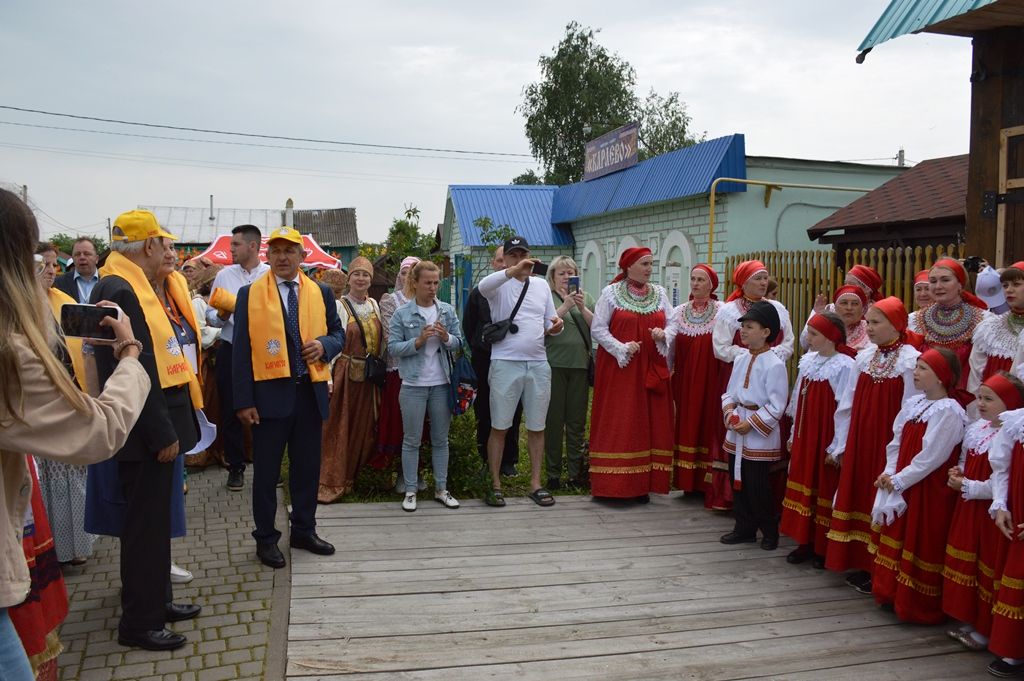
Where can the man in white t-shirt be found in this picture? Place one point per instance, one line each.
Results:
(519, 365)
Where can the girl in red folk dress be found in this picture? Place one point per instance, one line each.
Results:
(914, 505)
(883, 380)
(813, 476)
(974, 540)
(1007, 460)
(699, 429)
(631, 425)
(997, 337)
(751, 279)
(950, 321)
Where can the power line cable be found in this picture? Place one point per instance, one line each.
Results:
(254, 144)
(260, 136)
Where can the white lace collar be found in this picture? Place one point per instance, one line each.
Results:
(686, 326)
(905, 361)
(814, 367)
(923, 410)
(979, 435)
(995, 337)
(1013, 424)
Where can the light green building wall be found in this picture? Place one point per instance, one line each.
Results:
(782, 225)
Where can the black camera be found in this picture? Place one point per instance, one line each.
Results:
(973, 263)
(540, 269)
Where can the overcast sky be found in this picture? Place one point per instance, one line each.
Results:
(440, 75)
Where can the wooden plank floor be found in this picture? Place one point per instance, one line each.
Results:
(584, 590)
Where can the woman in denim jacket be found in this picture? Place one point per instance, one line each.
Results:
(419, 333)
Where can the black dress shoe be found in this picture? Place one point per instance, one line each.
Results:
(311, 543)
(177, 612)
(1004, 669)
(236, 481)
(270, 555)
(770, 543)
(737, 538)
(799, 555)
(160, 639)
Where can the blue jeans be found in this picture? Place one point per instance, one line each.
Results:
(14, 664)
(416, 401)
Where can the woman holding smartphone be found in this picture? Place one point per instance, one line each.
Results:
(570, 356)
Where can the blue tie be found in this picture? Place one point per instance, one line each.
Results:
(298, 366)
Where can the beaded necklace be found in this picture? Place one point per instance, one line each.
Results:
(1015, 320)
(645, 301)
(949, 326)
(698, 317)
(884, 361)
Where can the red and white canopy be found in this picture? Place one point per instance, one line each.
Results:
(220, 252)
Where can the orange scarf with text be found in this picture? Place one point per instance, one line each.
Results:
(267, 329)
(171, 364)
(59, 299)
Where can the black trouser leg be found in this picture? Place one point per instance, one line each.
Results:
(145, 543)
(230, 427)
(304, 460)
(753, 505)
(482, 408)
(269, 438)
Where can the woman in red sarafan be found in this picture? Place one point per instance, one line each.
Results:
(914, 505)
(1007, 460)
(949, 322)
(631, 420)
(882, 381)
(699, 429)
(813, 475)
(751, 280)
(38, 618)
(974, 540)
(997, 338)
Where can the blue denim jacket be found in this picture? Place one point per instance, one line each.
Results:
(406, 325)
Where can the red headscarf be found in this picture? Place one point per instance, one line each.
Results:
(894, 310)
(629, 257)
(961, 275)
(745, 270)
(944, 371)
(870, 278)
(712, 275)
(921, 277)
(851, 290)
(1006, 391)
(1019, 265)
(830, 331)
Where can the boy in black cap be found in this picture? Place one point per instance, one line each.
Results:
(752, 405)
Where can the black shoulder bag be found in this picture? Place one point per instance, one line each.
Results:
(496, 331)
(375, 369)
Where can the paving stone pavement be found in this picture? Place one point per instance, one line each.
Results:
(243, 629)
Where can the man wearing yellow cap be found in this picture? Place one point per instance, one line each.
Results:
(145, 465)
(286, 331)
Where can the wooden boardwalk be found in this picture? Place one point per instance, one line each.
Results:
(584, 590)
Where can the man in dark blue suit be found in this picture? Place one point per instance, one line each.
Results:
(283, 338)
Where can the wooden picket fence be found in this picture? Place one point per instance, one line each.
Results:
(804, 274)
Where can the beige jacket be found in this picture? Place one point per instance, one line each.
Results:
(52, 429)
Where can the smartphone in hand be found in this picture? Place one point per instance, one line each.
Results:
(83, 321)
(574, 285)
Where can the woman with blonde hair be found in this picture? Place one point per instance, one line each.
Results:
(42, 412)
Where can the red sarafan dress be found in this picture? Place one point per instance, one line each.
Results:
(807, 507)
(994, 345)
(1007, 460)
(884, 378)
(699, 427)
(974, 540)
(631, 439)
(951, 328)
(725, 339)
(915, 517)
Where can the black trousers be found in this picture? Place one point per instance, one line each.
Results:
(146, 543)
(753, 505)
(230, 427)
(482, 409)
(300, 433)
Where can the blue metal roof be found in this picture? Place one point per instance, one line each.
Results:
(912, 16)
(524, 208)
(675, 175)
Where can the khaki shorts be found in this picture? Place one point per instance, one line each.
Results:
(510, 380)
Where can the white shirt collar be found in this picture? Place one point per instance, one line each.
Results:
(281, 281)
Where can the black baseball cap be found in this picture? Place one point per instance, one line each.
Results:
(766, 315)
(516, 243)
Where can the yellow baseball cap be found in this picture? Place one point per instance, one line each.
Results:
(139, 225)
(286, 234)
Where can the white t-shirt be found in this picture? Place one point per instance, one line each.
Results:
(432, 373)
(533, 318)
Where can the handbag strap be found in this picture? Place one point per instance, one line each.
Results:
(359, 323)
(579, 327)
(519, 303)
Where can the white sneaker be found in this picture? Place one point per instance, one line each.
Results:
(180, 575)
(445, 497)
(409, 503)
